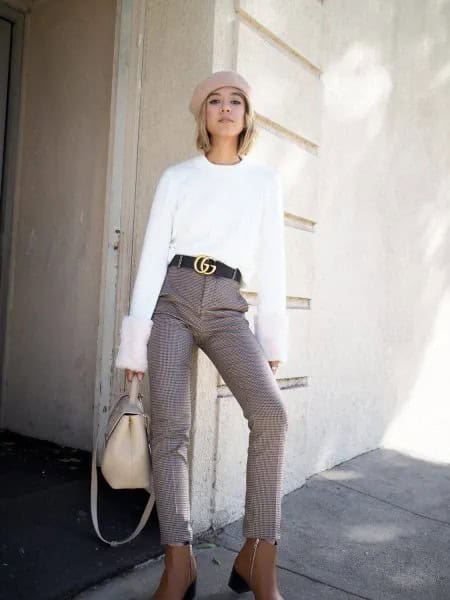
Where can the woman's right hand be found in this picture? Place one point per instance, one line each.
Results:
(131, 374)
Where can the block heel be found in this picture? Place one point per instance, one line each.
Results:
(191, 591)
(238, 583)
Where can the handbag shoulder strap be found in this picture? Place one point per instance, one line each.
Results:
(94, 487)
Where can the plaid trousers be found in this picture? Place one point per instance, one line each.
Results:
(208, 310)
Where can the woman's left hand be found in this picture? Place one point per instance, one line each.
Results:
(274, 365)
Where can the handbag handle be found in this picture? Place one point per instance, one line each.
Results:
(94, 483)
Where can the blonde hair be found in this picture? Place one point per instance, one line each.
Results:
(246, 137)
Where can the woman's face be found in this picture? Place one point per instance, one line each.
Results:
(225, 112)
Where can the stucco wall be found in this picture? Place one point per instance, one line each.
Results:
(59, 204)
(350, 391)
(363, 150)
(381, 308)
(416, 201)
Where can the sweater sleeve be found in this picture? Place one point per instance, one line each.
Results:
(271, 320)
(136, 327)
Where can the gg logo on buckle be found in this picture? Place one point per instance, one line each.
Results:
(202, 266)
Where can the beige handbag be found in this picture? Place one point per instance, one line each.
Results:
(126, 461)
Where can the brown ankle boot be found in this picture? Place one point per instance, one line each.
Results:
(254, 569)
(179, 579)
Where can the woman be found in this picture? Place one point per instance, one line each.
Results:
(215, 220)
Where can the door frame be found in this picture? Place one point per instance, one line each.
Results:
(10, 159)
(117, 249)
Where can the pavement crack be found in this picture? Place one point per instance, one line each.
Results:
(388, 502)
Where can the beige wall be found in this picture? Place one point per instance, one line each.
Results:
(59, 204)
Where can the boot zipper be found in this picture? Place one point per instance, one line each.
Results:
(253, 559)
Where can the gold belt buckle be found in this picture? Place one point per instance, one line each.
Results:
(202, 266)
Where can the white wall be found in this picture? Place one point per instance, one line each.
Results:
(417, 233)
(350, 390)
(381, 307)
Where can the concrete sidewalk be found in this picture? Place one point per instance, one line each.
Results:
(375, 527)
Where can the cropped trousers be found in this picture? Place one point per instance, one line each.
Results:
(209, 311)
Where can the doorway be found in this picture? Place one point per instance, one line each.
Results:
(11, 40)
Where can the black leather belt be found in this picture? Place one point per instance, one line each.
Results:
(206, 265)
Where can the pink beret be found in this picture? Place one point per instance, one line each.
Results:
(213, 82)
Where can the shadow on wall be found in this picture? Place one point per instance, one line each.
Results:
(417, 236)
(385, 144)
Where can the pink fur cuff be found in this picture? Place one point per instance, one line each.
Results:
(134, 336)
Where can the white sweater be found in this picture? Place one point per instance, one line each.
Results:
(233, 213)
